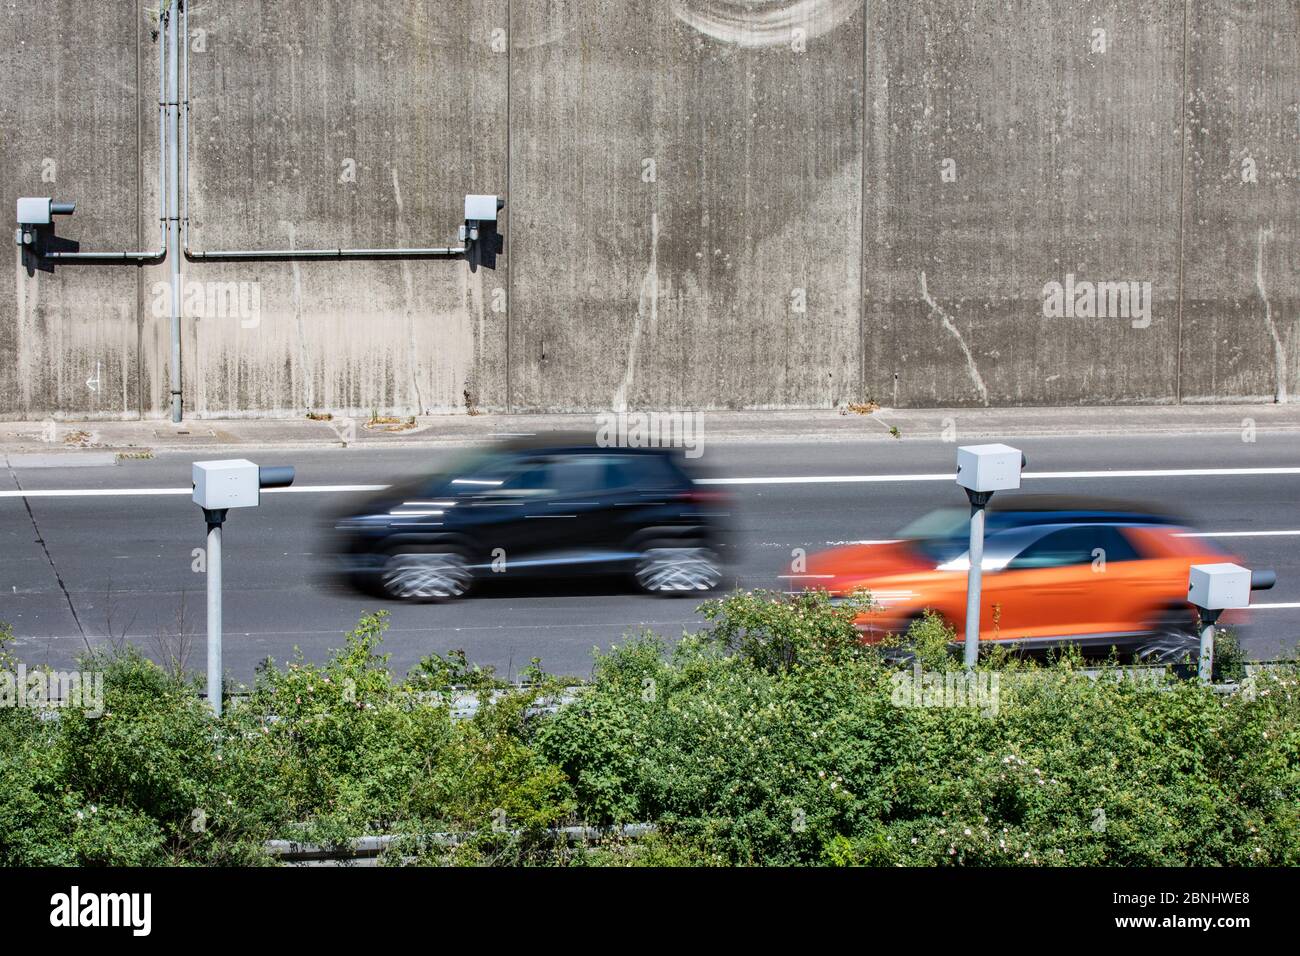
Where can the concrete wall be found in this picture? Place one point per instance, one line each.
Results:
(677, 200)
(1241, 261)
(69, 120)
(711, 203)
(1058, 160)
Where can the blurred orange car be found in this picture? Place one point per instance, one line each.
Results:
(1092, 574)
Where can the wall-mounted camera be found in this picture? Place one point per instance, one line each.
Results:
(36, 228)
(479, 235)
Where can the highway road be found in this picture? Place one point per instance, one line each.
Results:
(85, 554)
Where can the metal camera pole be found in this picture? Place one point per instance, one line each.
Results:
(975, 576)
(219, 486)
(982, 470)
(214, 518)
(1214, 588)
(1205, 668)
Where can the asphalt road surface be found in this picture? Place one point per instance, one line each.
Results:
(75, 569)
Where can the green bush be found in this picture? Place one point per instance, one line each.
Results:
(1229, 656)
(348, 750)
(142, 783)
(319, 753)
(773, 736)
(802, 756)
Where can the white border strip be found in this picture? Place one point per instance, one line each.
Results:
(781, 480)
(1238, 534)
(1028, 476)
(137, 492)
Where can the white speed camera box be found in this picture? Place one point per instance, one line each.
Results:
(225, 484)
(33, 211)
(481, 208)
(1215, 586)
(988, 467)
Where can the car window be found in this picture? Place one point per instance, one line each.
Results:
(1082, 544)
(580, 474)
(950, 554)
(519, 477)
(488, 471)
(534, 477)
(643, 473)
(571, 474)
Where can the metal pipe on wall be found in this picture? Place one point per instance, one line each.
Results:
(286, 254)
(185, 127)
(173, 202)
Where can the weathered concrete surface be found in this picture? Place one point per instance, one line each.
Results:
(1006, 152)
(312, 125)
(848, 200)
(686, 209)
(1241, 308)
(285, 100)
(358, 124)
(68, 125)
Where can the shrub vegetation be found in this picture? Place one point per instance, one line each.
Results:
(772, 736)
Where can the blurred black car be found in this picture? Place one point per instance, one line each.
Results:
(548, 505)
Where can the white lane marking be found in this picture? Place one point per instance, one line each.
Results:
(310, 489)
(94, 492)
(1028, 476)
(1163, 473)
(1277, 605)
(1238, 534)
(823, 479)
(136, 492)
(782, 480)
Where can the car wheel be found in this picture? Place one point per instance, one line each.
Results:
(1171, 637)
(669, 568)
(426, 575)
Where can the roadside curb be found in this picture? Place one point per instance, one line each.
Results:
(144, 438)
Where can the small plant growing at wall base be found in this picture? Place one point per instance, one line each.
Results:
(861, 408)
